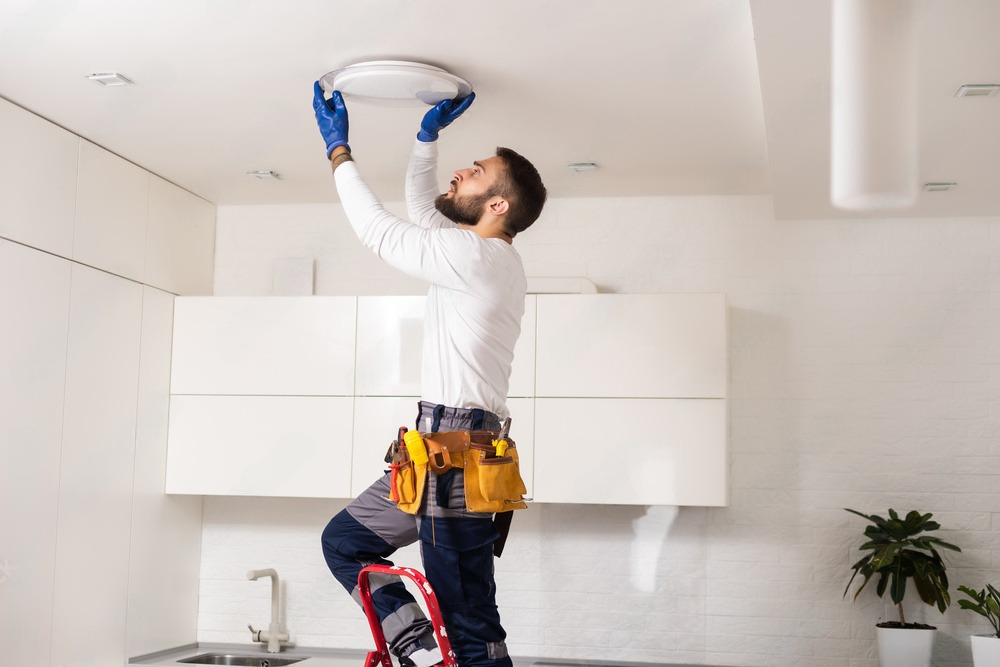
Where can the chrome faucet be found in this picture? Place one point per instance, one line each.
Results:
(273, 635)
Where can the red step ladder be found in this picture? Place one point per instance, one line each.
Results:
(381, 653)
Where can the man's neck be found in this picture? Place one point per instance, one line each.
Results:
(486, 232)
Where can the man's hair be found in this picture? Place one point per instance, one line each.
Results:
(521, 185)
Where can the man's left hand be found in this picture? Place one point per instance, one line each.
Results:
(441, 115)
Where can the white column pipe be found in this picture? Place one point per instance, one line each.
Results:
(874, 105)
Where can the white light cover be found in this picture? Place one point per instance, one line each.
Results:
(874, 105)
(395, 83)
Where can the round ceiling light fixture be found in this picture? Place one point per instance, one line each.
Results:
(395, 83)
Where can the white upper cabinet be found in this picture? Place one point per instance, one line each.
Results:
(264, 345)
(391, 338)
(631, 346)
(295, 446)
(180, 240)
(631, 452)
(112, 198)
(38, 169)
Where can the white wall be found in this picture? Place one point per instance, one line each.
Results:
(864, 374)
(96, 563)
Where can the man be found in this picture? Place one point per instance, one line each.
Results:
(460, 242)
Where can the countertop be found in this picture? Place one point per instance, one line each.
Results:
(329, 657)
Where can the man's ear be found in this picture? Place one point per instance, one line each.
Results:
(499, 206)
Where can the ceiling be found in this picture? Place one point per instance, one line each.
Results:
(670, 97)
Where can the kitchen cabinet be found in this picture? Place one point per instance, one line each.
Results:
(297, 346)
(38, 173)
(631, 346)
(180, 240)
(295, 446)
(35, 297)
(631, 451)
(111, 203)
(96, 468)
(390, 340)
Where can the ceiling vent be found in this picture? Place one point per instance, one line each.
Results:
(395, 83)
(978, 90)
(109, 79)
(939, 187)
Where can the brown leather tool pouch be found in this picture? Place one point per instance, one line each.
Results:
(445, 449)
(493, 483)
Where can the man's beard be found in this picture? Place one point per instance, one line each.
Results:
(462, 210)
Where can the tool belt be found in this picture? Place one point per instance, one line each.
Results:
(492, 473)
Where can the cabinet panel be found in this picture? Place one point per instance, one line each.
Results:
(631, 451)
(38, 168)
(522, 372)
(166, 531)
(390, 344)
(34, 294)
(96, 472)
(376, 422)
(377, 419)
(631, 345)
(295, 446)
(259, 346)
(180, 240)
(111, 200)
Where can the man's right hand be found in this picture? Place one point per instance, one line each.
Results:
(331, 116)
(441, 116)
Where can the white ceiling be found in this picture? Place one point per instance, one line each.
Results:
(665, 94)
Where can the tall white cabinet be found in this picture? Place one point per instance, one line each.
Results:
(96, 563)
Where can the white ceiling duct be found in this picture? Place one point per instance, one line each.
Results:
(395, 83)
(874, 105)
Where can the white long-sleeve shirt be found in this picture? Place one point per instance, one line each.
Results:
(476, 300)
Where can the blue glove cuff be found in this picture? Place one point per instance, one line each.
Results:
(426, 137)
(331, 147)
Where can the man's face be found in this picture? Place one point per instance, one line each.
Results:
(470, 191)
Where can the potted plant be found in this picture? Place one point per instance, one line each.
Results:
(900, 550)
(986, 603)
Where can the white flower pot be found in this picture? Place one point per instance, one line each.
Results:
(905, 647)
(985, 651)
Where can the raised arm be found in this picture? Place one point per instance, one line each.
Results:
(421, 174)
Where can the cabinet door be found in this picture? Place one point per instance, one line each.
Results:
(631, 345)
(264, 346)
(390, 344)
(631, 451)
(390, 347)
(522, 374)
(165, 553)
(97, 469)
(34, 297)
(180, 240)
(376, 422)
(111, 201)
(38, 168)
(295, 446)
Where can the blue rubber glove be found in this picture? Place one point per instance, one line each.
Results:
(331, 116)
(441, 116)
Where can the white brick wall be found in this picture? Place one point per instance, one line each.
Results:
(865, 373)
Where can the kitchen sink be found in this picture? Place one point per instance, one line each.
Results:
(231, 659)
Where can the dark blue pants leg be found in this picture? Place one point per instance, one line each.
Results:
(368, 531)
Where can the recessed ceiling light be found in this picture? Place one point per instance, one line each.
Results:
(110, 79)
(939, 187)
(582, 166)
(978, 90)
(265, 175)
